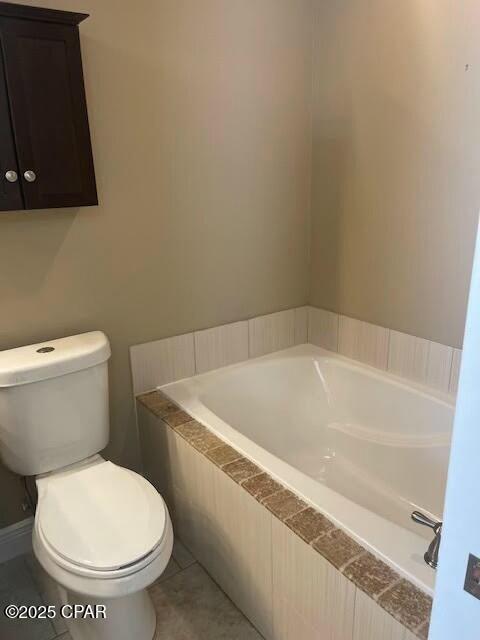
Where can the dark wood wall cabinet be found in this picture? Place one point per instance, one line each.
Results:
(45, 150)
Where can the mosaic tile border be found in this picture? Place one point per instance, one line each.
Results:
(407, 604)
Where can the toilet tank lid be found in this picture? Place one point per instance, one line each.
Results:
(53, 358)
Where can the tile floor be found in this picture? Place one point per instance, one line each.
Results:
(189, 604)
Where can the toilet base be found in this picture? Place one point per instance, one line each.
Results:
(128, 617)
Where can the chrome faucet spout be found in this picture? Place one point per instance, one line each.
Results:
(431, 555)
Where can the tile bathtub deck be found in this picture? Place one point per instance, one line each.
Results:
(401, 599)
(189, 604)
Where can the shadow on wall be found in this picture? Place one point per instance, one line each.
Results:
(332, 157)
(11, 509)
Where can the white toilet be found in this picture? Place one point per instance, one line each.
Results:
(102, 533)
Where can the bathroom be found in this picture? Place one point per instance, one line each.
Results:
(275, 245)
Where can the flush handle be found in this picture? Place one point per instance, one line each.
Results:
(11, 176)
(30, 176)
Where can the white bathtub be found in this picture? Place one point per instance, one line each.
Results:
(364, 447)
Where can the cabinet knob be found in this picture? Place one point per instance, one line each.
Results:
(11, 176)
(30, 176)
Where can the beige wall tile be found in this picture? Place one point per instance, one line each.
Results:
(310, 587)
(191, 472)
(161, 362)
(323, 328)
(154, 445)
(193, 499)
(221, 346)
(288, 625)
(373, 623)
(271, 333)
(417, 359)
(301, 325)
(363, 341)
(408, 356)
(227, 530)
(455, 372)
(439, 367)
(243, 544)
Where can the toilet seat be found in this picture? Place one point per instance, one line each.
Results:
(78, 570)
(106, 584)
(99, 519)
(147, 520)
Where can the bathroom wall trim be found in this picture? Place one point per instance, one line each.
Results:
(163, 361)
(195, 471)
(16, 539)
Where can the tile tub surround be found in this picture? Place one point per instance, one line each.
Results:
(157, 363)
(429, 363)
(350, 563)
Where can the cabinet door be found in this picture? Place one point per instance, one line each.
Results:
(10, 192)
(43, 68)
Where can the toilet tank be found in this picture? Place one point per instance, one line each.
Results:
(54, 403)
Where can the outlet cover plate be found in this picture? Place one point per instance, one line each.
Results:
(472, 579)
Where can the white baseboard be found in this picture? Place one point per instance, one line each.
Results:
(16, 539)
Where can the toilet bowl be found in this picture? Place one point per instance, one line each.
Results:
(102, 533)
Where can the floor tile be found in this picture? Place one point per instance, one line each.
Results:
(190, 606)
(17, 587)
(47, 590)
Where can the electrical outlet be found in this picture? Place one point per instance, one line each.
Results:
(472, 579)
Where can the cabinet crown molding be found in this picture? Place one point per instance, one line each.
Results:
(24, 12)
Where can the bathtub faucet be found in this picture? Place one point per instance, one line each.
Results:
(431, 555)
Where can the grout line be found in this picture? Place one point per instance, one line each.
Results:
(338, 332)
(389, 335)
(294, 515)
(452, 390)
(352, 560)
(251, 477)
(272, 581)
(194, 353)
(354, 612)
(427, 362)
(309, 322)
(159, 580)
(390, 586)
(389, 354)
(270, 495)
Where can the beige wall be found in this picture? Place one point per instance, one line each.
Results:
(396, 162)
(201, 124)
(200, 116)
